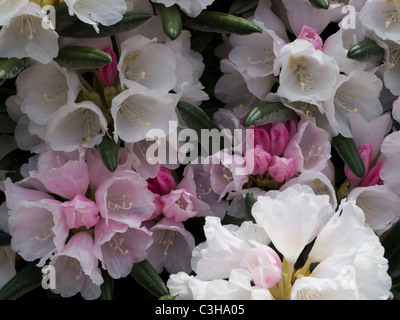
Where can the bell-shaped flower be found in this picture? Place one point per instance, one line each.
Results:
(118, 247)
(9, 9)
(125, 198)
(37, 229)
(226, 172)
(77, 268)
(137, 111)
(382, 17)
(379, 205)
(96, 12)
(80, 212)
(283, 214)
(390, 170)
(172, 247)
(28, 37)
(62, 173)
(310, 147)
(357, 93)
(76, 125)
(306, 74)
(237, 287)
(148, 63)
(44, 88)
(190, 7)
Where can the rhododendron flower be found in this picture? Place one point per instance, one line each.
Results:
(191, 7)
(9, 9)
(76, 268)
(80, 212)
(312, 36)
(97, 12)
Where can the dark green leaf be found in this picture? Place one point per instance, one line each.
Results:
(221, 22)
(9, 68)
(250, 200)
(241, 6)
(171, 20)
(81, 57)
(366, 50)
(195, 118)
(107, 287)
(144, 273)
(130, 20)
(321, 4)
(109, 150)
(29, 278)
(268, 112)
(347, 150)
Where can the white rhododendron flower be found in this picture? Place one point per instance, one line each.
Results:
(9, 9)
(24, 36)
(191, 7)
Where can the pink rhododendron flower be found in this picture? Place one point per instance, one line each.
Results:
(80, 211)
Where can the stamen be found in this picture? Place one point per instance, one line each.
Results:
(391, 15)
(134, 113)
(90, 126)
(46, 232)
(25, 23)
(116, 244)
(341, 99)
(167, 240)
(117, 202)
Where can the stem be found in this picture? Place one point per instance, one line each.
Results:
(288, 284)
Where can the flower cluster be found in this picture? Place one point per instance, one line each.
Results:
(102, 169)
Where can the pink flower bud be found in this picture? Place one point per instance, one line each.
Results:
(373, 178)
(264, 265)
(311, 35)
(109, 72)
(163, 183)
(260, 158)
(365, 152)
(80, 212)
(282, 169)
(279, 136)
(261, 137)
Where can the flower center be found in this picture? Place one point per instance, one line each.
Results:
(391, 15)
(25, 23)
(132, 112)
(117, 201)
(116, 244)
(90, 126)
(342, 99)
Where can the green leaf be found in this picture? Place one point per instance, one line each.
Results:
(268, 112)
(241, 6)
(347, 150)
(171, 20)
(5, 239)
(130, 20)
(109, 150)
(391, 243)
(9, 68)
(366, 50)
(107, 287)
(144, 273)
(221, 22)
(29, 278)
(321, 4)
(81, 57)
(250, 200)
(195, 118)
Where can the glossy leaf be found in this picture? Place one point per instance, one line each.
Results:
(81, 57)
(221, 22)
(366, 50)
(268, 112)
(29, 278)
(171, 20)
(322, 4)
(250, 200)
(109, 150)
(241, 6)
(347, 150)
(144, 273)
(9, 68)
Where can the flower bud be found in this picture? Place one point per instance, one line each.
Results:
(281, 169)
(312, 36)
(80, 212)
(260, 158)
(279, 136)
(109, 72)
